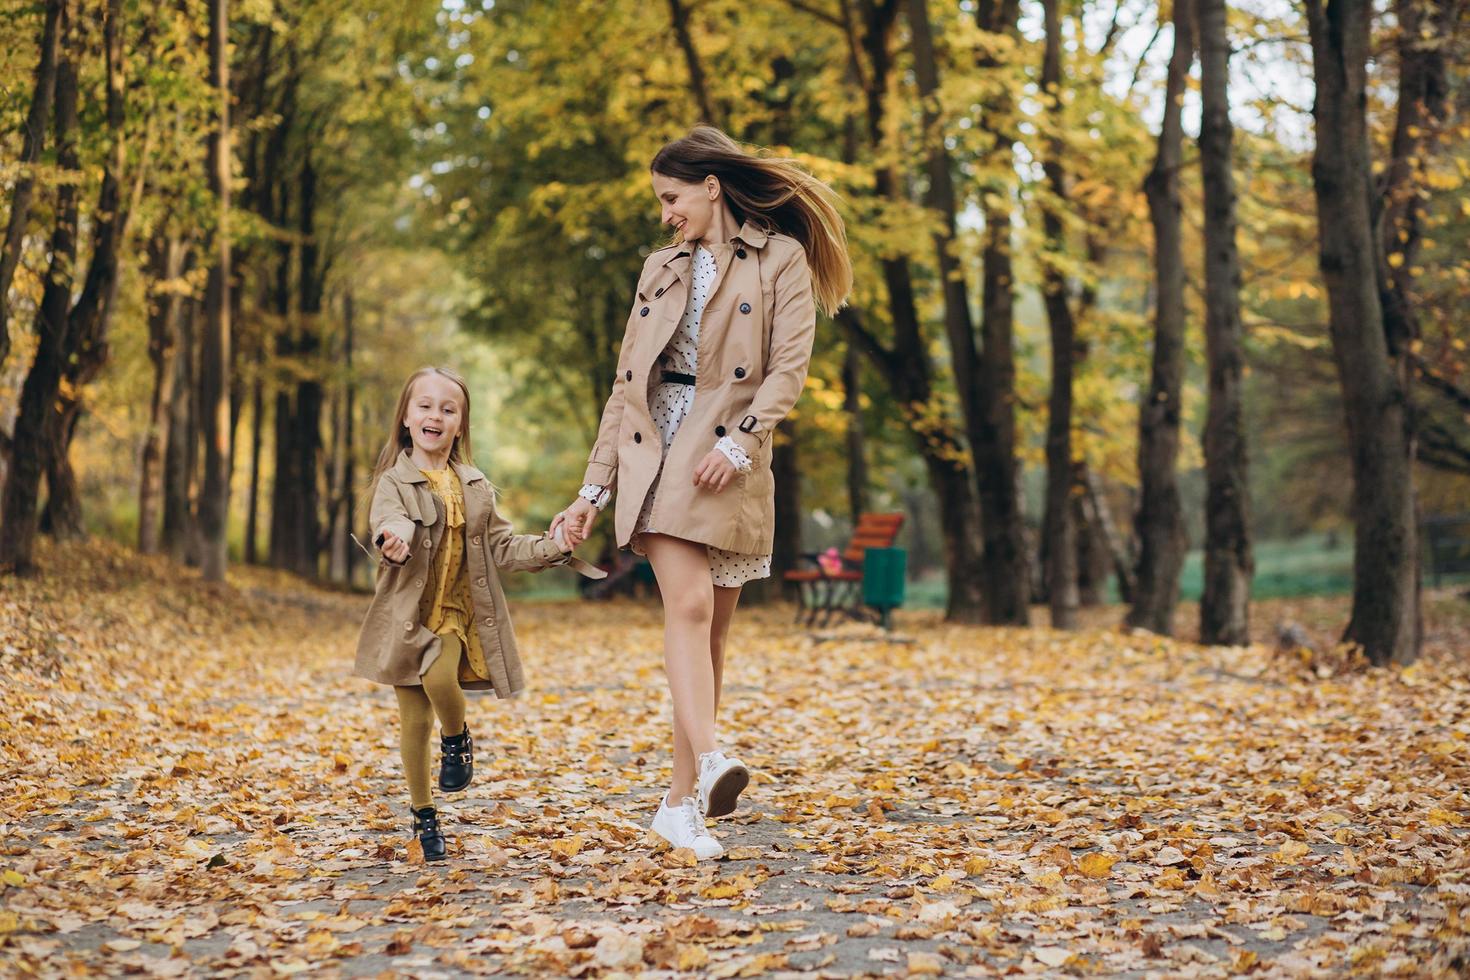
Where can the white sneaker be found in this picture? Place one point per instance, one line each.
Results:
(682, 826)
(720, 783)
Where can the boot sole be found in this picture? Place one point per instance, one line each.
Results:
(455, 789)
(726, 790)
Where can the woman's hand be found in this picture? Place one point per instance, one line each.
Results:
(577, 520)
(393, 548)
(715, 471)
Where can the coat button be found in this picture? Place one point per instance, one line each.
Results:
(418, 583)
(739, 373)
(658, 292)
(408, 627)
(480, 581)
(720, 431)
(476, 539)
(740, 253)
(744, 307)
(628, 376)
(637, 437)
(489, 620)
(643, 312)
(428, 541)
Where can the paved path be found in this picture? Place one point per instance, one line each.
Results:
(193, 788)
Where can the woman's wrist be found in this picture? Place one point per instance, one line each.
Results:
(595, 495)
(734, 454)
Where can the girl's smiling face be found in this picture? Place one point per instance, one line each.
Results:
(435, 414)
(685, 207)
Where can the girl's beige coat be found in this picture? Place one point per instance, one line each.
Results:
(755, 345)
(395, 647)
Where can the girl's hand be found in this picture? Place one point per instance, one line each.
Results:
(577, 520)
(394, 548)
(715, 471)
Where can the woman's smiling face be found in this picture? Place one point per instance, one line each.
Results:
(685, 207)
(435, 413)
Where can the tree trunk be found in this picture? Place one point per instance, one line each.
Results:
(1225, 605)
(166, 267)
(1423, 98)
(857, 453)
(1100, 516)
(30, 440)
(1385, 616)
(1094, 561)
(92, 313)
(342, 515)
(61, 516)
(993, 440)
(1159, 524)
(786, 547)
(1060, 545)
(295, 497)
(905, 370)
(906, 366)
(252, 514)
(679, 14)
(214, 365)
(37, 120)
(181, 452)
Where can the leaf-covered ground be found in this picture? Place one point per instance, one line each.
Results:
(192, 785)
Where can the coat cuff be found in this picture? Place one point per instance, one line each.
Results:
(602, 466)
(734, 454)
(596, 495)
(548, 551)
(403, 530)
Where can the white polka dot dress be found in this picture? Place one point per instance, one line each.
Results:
(670, 402)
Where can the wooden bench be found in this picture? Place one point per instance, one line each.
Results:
(825, 593)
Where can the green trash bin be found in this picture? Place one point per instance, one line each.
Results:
(884, 575)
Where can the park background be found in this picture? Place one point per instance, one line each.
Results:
(1032, 191)
(1158, 328)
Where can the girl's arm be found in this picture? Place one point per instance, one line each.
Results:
(520, 552)
(387, 516)
(793, 328)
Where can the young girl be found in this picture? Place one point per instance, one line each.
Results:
(438, 623)
(715, 354)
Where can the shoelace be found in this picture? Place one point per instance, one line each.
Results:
(693, 822)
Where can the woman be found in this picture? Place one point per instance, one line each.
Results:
(715, 354)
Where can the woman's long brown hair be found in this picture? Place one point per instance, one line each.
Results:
(774, 193)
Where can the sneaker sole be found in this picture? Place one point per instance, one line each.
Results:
(726, 790)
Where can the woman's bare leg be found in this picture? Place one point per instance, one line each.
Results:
(682, 570)
(686, 760)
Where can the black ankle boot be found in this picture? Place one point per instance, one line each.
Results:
(426, 826)
(457, 765)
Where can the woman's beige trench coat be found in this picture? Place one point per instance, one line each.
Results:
(755, 344)
(395, 647)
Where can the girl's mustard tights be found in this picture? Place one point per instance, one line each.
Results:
(417, 706)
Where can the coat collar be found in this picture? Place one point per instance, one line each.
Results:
(749, 234)
(407, 471)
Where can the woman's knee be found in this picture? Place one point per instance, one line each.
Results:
(690, 606)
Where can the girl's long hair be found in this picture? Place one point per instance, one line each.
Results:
(399, 438)
(774, 193)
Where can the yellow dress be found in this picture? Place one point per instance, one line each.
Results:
(452, 610)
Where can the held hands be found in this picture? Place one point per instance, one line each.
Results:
(575, 523)
(715, 471)
(393, 548)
